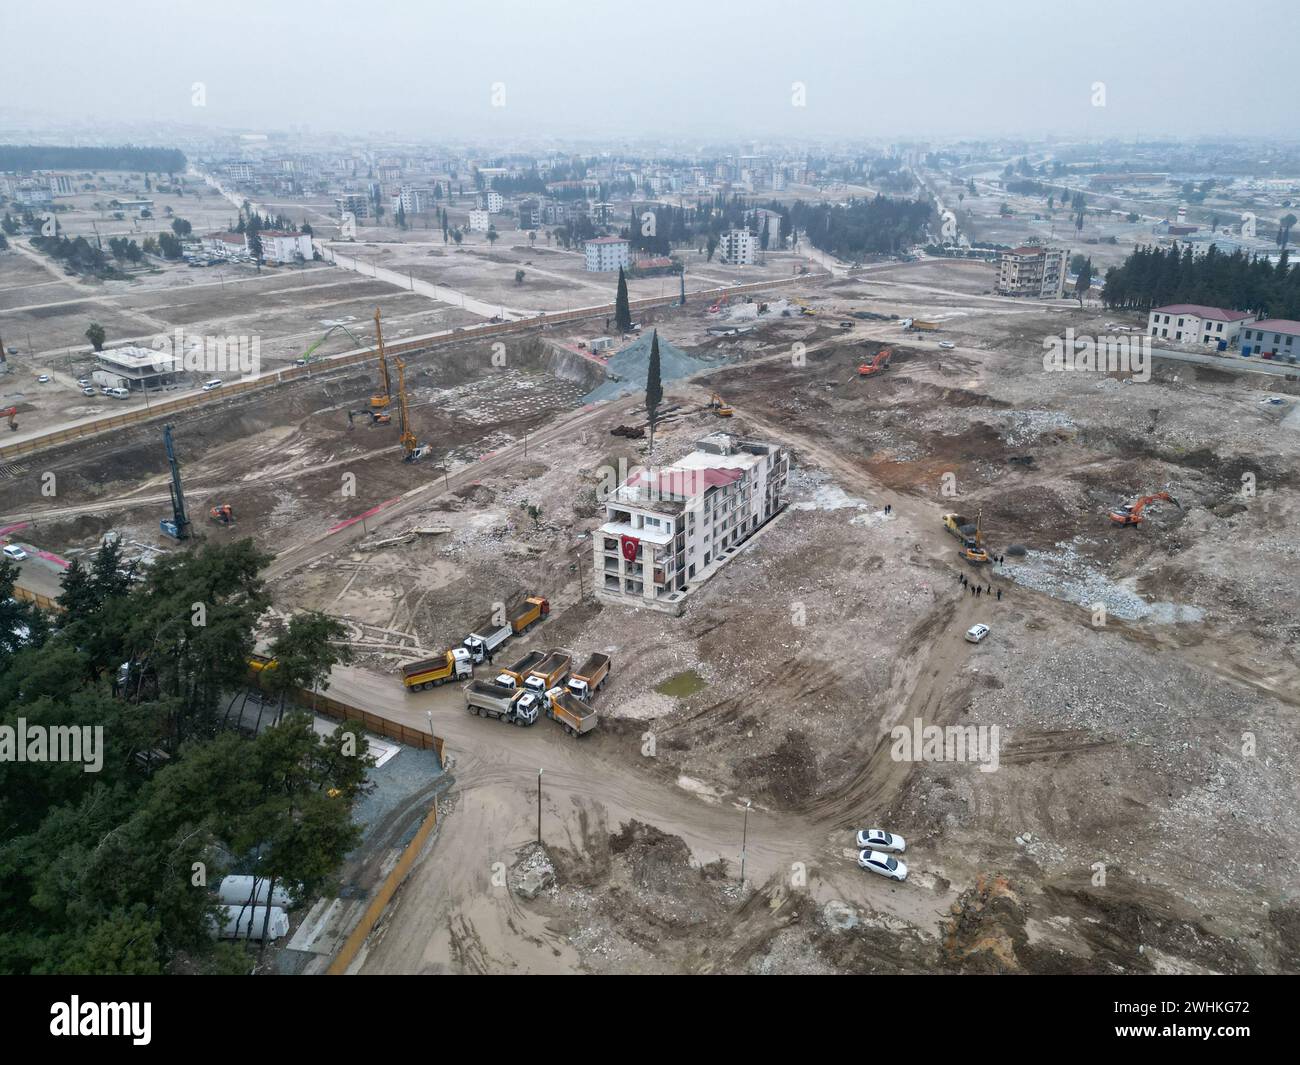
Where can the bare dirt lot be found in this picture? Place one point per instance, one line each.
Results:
(1141, 683)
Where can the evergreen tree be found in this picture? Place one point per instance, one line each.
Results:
(654, 389)
(622, 309)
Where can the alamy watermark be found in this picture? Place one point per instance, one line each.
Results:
(206, 354)
(1103, 354)
(952, 743)
(58, 743)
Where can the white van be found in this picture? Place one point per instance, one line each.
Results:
(118, 393)
(208, 386)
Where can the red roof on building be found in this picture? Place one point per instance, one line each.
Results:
(1217, 314)
(1278, 325)
(686, 483)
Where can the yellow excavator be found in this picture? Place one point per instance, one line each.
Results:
(719, 407)
(972, 548)
(381, 401)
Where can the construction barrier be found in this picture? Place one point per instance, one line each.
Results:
(376, 723)
(42, 601)
(357, 937)
(167, 407)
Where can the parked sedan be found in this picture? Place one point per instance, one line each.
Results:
(884, 864)
(88, 391)
(14, 552)
(44, 379)
(877, 839)
(976, 633)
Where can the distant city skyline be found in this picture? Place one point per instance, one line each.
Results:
(823, 69)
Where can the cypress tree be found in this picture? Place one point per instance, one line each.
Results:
(654, 389)
(622, 310)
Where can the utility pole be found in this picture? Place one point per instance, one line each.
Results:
(744, 840)
(539, 807)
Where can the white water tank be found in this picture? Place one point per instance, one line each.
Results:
(237, 922)
(239, 891)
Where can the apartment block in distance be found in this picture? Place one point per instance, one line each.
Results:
(668, 530)
(606, 253)
(1035, 272)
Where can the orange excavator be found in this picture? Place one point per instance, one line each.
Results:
(877, 364)
(719, 407)
(12, 414)
(972, 549)
(1131, 513)
(223, 514)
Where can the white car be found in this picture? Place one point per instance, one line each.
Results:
(976, 633)
(884, 864)
(15, 552)
(877, 839)
(947, 345)
(87, 391)
(208, 386)
(44, 379)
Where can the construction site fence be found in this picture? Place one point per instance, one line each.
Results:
(357, 937)
(371, 722)
(166, 407)
(42, 601)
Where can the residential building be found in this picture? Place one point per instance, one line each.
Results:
(141, 367)
(1191, 323)
(479, 221)
(61, 185)
(225, 244)
(738, 247)
(606, 253)
(414, 199)
(354, 203)
(666, 531)
(1033, 271)
(493, 201)
(239, 171)
(1276, 337)
(530, 214)
(281, 246)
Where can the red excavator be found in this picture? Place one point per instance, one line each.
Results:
(1131, 513)
(12, 414)
(877, 364)
(223, 514)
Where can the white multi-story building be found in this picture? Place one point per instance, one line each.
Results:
(738, 247)
(666, 531)
(281, 246)
(414, 199)
(494, 202)
(1036, 272)
(479, 221)
(239, 171)
(606, 253)
(1191, 323)
(1278, 338)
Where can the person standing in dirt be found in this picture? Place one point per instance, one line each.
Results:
(999, 595)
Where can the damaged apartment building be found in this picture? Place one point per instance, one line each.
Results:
(668, 530)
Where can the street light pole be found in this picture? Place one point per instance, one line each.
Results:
(539, 807)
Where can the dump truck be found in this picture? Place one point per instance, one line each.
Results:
(919, 325)
(959, 525)
(513, 676)
(591, 677)
(970, 535)
(572, 713)
(454, 664)
(548, 673)
(486, 638)
(495, 700)
(528, 613)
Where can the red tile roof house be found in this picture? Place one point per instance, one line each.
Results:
(1193, 323)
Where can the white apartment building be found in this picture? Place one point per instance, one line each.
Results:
(239, 171)
(479, 220)
(413, 199)
(607, 253)
(738, 247)
(495, 202)
(1036, 272)
(1191, 323)
(666, 531)
(281, 246)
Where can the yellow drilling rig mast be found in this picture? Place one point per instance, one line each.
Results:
(380, 401)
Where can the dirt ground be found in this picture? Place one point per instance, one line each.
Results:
(1142, 813)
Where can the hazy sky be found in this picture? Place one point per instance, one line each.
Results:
(692, 68)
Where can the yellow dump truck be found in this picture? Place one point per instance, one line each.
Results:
(575, 716)
(528, 613)
(548, 673)
(513, 676)
(454, 664)
(585, 681)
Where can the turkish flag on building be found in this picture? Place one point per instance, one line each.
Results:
(630, 546)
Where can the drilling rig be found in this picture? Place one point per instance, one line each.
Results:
(379, 401)
(178, 526)
(407, 438)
